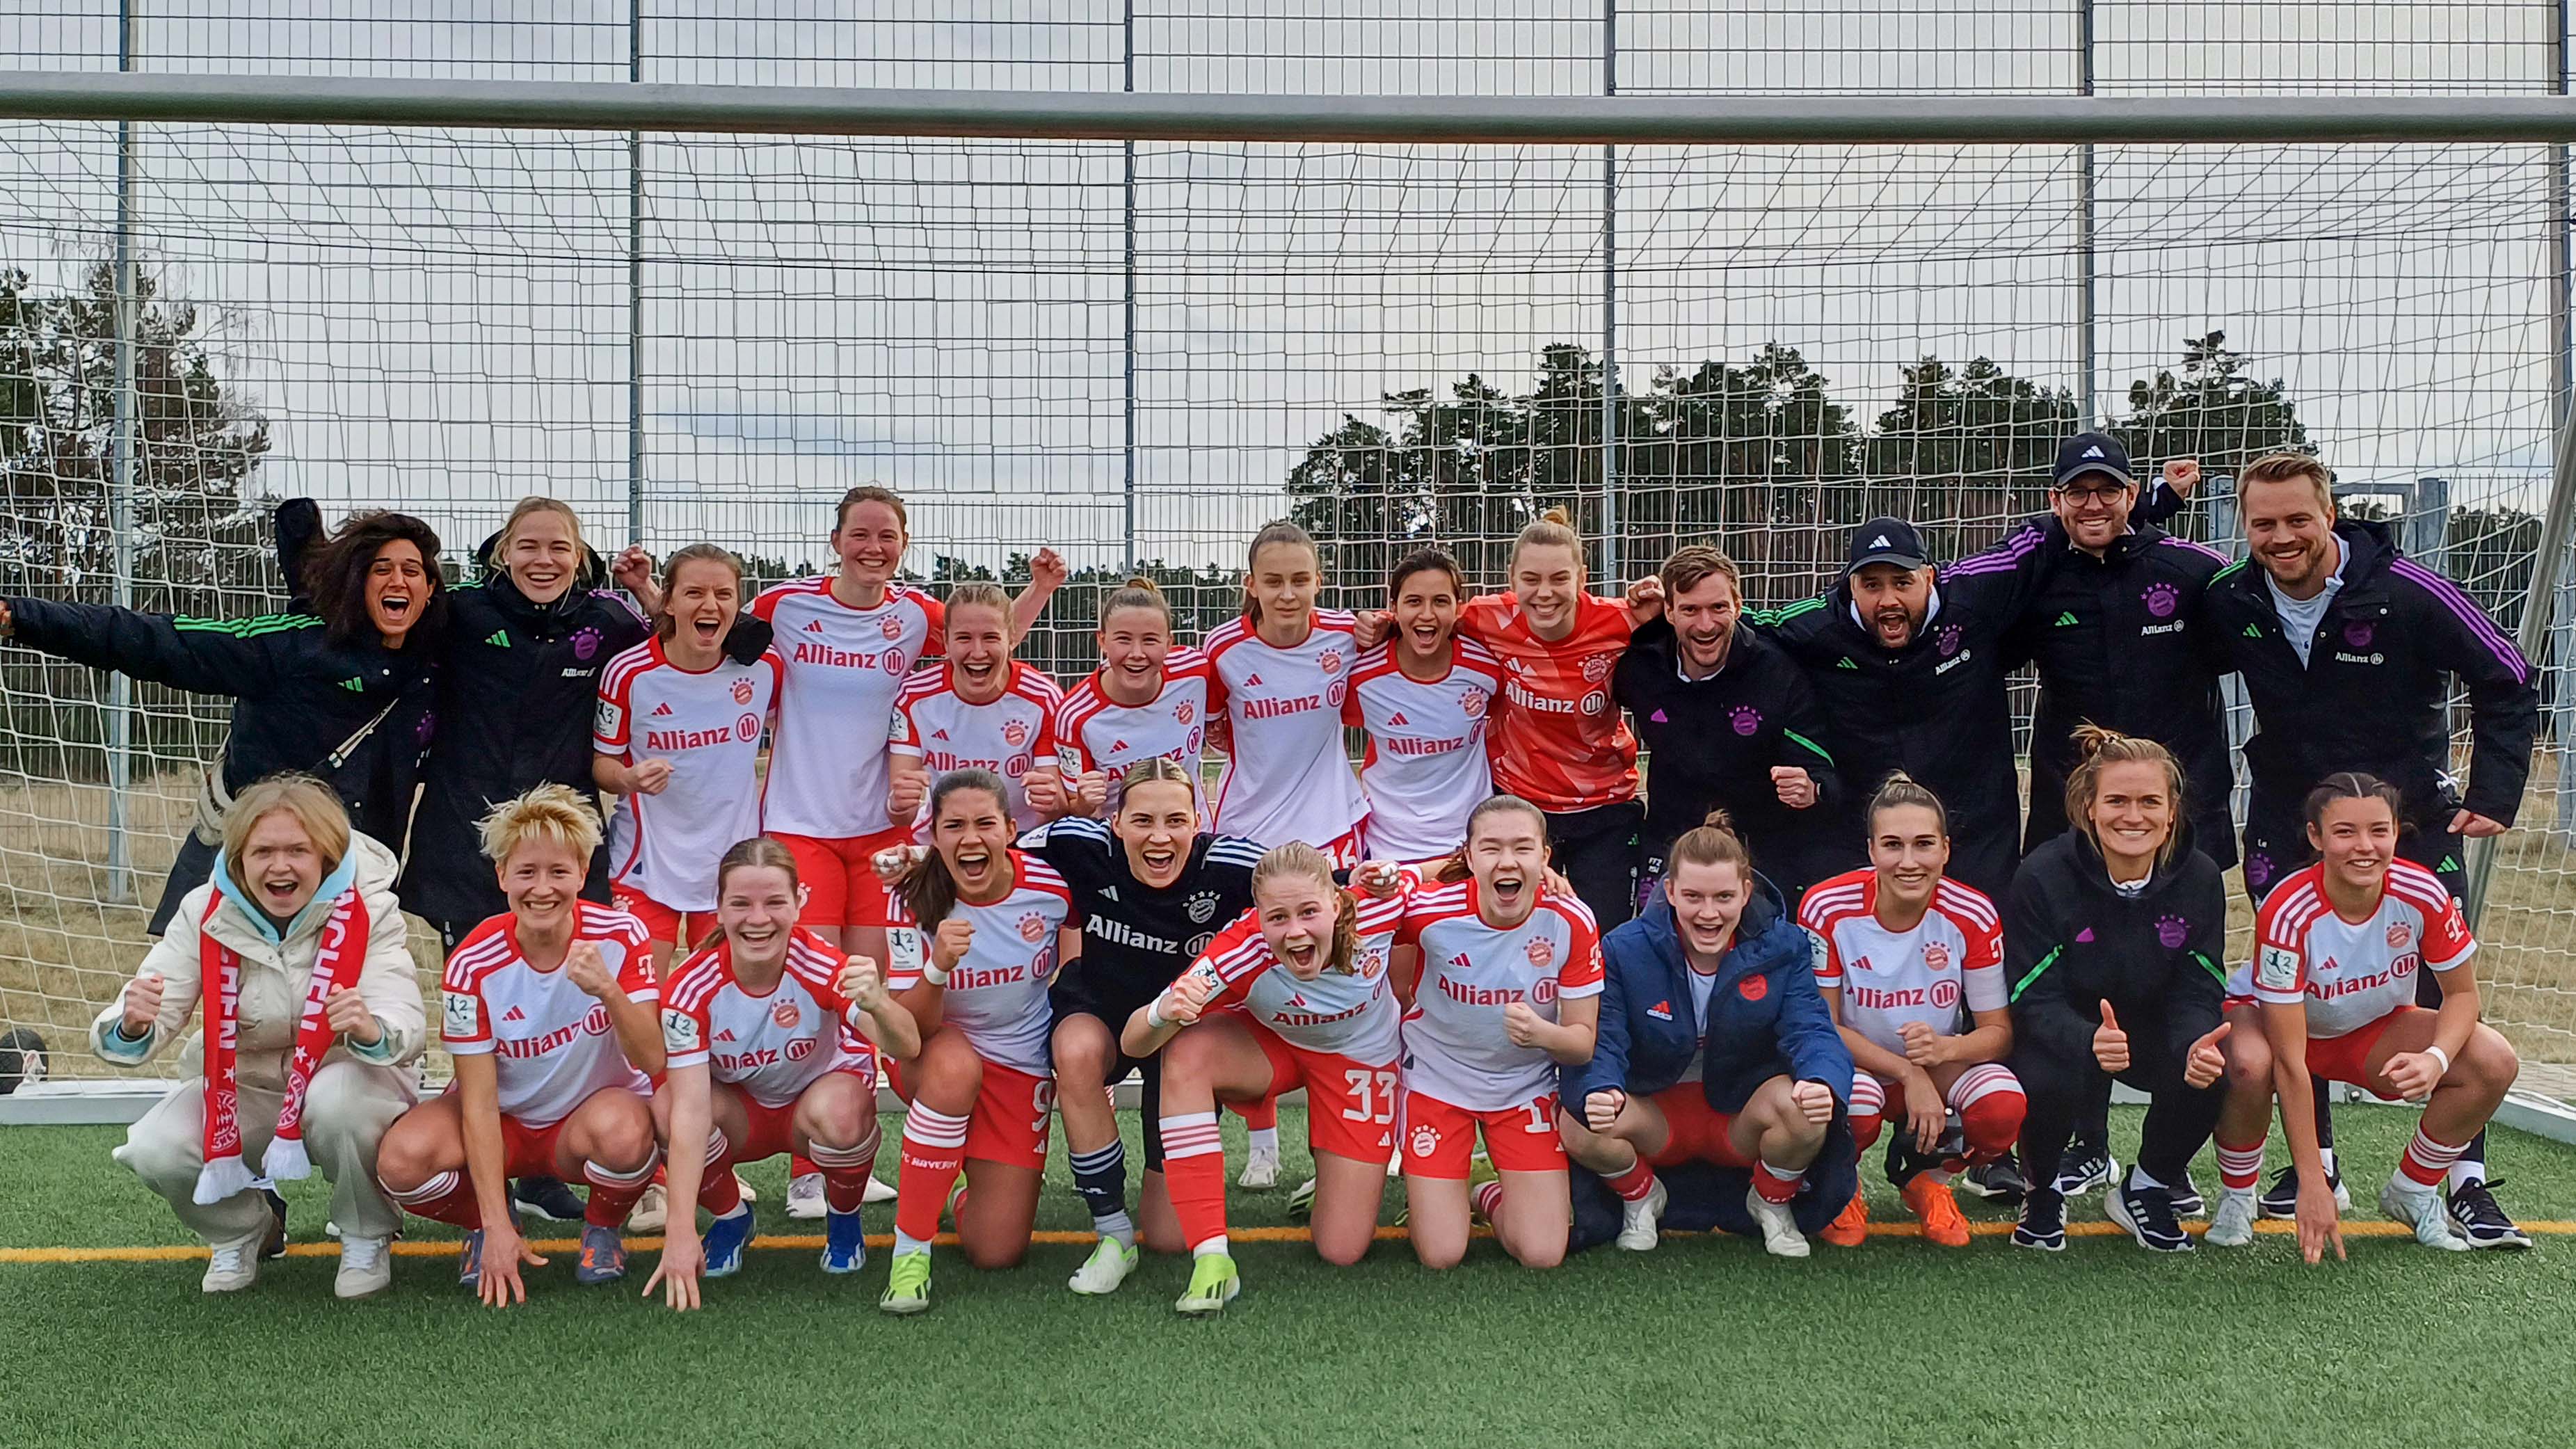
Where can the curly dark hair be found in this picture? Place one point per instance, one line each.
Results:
(335, 572)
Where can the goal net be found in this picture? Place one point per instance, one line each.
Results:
(1138, 353)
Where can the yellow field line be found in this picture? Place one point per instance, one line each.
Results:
(813, 1242)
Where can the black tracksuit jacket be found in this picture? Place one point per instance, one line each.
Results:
(1714, 742)
(2072, 942)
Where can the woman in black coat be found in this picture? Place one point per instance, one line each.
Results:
(344, 689)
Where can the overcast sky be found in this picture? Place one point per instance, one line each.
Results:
(439, 319)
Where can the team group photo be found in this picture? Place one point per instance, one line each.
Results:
(1532, 722)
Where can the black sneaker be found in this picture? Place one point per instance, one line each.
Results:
(2280, 1201)
(2087, 1165)
(1996, 1181)
(2146, 1214)
(2187, 1201)
(1905, 1162)
(545, 1197)
(2480, 1222)
(273, 1247)
(2043, 1221)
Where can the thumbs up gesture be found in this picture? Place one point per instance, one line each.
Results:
(2207, 1061)
(2110, 1044)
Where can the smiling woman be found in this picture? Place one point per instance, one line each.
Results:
(344, 692)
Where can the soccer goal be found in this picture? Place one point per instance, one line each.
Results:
(1129, 279)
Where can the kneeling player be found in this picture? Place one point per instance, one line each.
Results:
(1723, 979)
(549, 1017)
(981, 1091)
(2336, 949)
(773, 1037)
(1293, 994)
(1511, 980)
(1905, 958)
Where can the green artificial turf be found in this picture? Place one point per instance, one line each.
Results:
(1706, 1341)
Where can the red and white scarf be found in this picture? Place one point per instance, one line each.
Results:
(335, 963)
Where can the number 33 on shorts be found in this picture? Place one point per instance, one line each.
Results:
(1370, 1096)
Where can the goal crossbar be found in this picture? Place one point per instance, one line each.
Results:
(1149, 116)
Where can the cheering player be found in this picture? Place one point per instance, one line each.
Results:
(1906, 959)
(549, 1017)
(772, 1038)
(982, 710)
(678, 739)
(980, 1092)
(2336, 949)
(1295, 993)
(1422, 697)
(1277, 677)
(1511, 973)
(1148, 699)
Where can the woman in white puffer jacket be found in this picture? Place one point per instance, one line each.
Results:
(313, 1028)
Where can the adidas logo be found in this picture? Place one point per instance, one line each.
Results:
(2093, 452)
(500, 639)
(725, 1035)
(661, 711)
(2066, 620)
(1461, 962)
(1845, 663)
(939, 734)
(1661, 1010)
(1117, 746)
(813, 626)
(514, 1014)
(2448, 864)
(1398, 718)
(354, 685)
(1109, 893)
(2253, 631)
(1879, 542)
(1250, 680)
(1657, 718)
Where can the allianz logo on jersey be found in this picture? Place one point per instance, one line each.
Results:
(1540, 993)
(1274, 706)
(1417, 745)
(595, 1023)
(795, 1051)
(746, 728)
(817, 651)
(2324, 986)
(1118, 932)
(944, 761)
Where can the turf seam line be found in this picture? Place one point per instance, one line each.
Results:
(813, 1242)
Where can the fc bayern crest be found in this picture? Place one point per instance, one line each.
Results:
(1330, 661)
(786, 1015)
(1596, 668)
(890, 626)
(1015, 733)
(2399, 935)
(1426, 1140)
(1472, 703)
(1033, 928)
(742, 691)
(1541, 952)
(1184, 712)
(1936, 954)
(1201, 908)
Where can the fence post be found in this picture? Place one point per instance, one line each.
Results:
(635, 287)
(1610, 551)
(2227, 535)
(2428, 524)
(120, 506)
(2087, 337)
(1127, 326)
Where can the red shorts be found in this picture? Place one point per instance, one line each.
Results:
(1010, 1119)
(1344, 851)
(530, 1151)
(1699, 1130)
(769, 1131)
(2346, 1058)
(661, 923)
(1440, 1140)
(840, 879)
(1350, 1106)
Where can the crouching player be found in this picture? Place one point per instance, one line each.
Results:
(549, 1016)
(2336, 949)
(772, 1038)
(1714, 1045)
(1905, 958)
(1294, 993)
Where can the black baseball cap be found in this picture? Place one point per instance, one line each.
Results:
(2091, 453)
(1887, 541)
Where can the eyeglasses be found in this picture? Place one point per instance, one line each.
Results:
(2091, 495)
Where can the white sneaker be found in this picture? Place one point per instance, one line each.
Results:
(1260, 1169)
(805, 1195)
(879, 1190)
(366, 1268)
(2232, 1226)
(233, 1266)
(652, 1210)
(1107, 1267)
(2420, 1207)
(1780, 1235)
(1637, 1220)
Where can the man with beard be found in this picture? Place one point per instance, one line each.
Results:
(1732, 724)
(2348, 650)
(1909, 664)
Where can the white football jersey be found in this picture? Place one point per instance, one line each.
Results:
(827, 766)
(1425, 766)
(1287, 776)
(1350, 1014)
(2350, 973)
(666, 846)
(1948, 966)
(1094, 732)
(997, 994)
(1009, 735)
(1455, 1048)
(771, 1046)
(551, 1043)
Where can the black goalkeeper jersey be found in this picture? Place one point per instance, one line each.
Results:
(1137, 940)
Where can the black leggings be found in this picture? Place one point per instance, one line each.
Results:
(2059, 1089)
(1597, 849)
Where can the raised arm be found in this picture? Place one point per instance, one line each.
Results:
(236, 657)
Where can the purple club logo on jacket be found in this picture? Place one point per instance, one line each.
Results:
(2172, 931)
(585, 643)
(2161, 600)
(2357, 634)
(1947, 640)
(1746, 719)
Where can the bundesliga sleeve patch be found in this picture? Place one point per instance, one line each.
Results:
(2277, 969)
(1819, 955)
(605, 720)
(679, 1030)
(464, 1014)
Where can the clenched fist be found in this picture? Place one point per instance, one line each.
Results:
(861, 983)
(589, 970)
(950, 943)
(1815, 1102)
(1522, 1025)
(142, 1004)
(348, 1015)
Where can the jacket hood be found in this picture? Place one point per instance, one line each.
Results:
(2368, 548)
(368, 866)
(1764, 935)
(588, 576)
(2139, 538)
(2096, 875)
